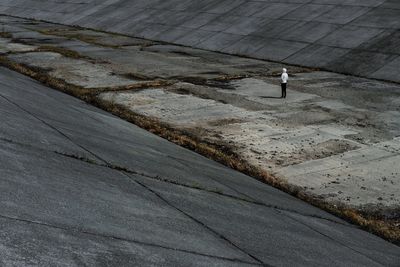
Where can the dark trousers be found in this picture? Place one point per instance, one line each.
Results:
(283, 85)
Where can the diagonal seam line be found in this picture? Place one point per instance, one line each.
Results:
(52, 127)
(175, 183)
(200, 223)
(221, 236)
(331, 238)
(86, 232)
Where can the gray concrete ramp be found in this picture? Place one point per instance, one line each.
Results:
(352, 37)
(82, 187)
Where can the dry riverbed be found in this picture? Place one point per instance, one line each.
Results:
(335, 141)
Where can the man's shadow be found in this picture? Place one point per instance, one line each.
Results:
(270, 97)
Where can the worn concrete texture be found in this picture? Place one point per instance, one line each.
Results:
(335, 136)
(65, 201)
(84, 187)
(354, 37)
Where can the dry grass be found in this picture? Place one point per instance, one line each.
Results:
(60, 50)
(222, 153)
(74, 33)
(6, 35)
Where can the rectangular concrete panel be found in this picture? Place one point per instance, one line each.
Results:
(223, 6)
(194, 37)
(246, 46)
(342, 14)
(359, 62)
(221, 23)
(173, 33)
(276, 28)
(246, 26)
(369, 3)
(308, 32)
(389, 71)
(247, 9)
(367, 23)
(219, 41)
(391, 4)
(199, 20)
(380, 17)
(275, 10)
(350, 36)
(308, 12)
(278, 50)
(386, 42)
(316, 55)
(286, 231)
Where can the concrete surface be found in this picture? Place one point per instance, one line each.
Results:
(346, 31)
(64, 202)
(335, 136)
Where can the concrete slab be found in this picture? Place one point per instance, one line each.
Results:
(342, 14)
(221, 23)
(223, 6)
(278, 50)
(350, 36)
(389, 71)
(75, 71)
(276, 27)
(309, 32)
(199, 20)
(247, 9)
(309, 12)
(318, 124)
(246, 26)
(369, 3)
(219, 41)
(379, 17)
(275, 10)
(246, 46)
(316, 54)
(285, 229)
(386, 42)
(92, 206)
(359, 62)
(179, 22)
(195, 37)
(388, 253)
(7, 46)
(47, 245)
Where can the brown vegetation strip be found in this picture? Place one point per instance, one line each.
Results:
(385, 228)
(63, 51)
(6, 35)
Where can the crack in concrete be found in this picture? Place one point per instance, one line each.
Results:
(96, 234)
(330, 238)
(172, 182)
(52, 127)
(221, 236)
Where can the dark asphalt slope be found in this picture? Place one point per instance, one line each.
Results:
(65, 202)
(355, 37)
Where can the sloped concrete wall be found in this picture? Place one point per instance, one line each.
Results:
(360, 37)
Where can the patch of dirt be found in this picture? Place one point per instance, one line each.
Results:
(312, 152)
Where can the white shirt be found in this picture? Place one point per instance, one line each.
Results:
(284, 77)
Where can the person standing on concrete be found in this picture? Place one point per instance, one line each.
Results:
(284, 80)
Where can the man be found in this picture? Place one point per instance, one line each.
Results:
(284, 80)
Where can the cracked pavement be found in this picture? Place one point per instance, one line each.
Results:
(335, 137)
(83, 187)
